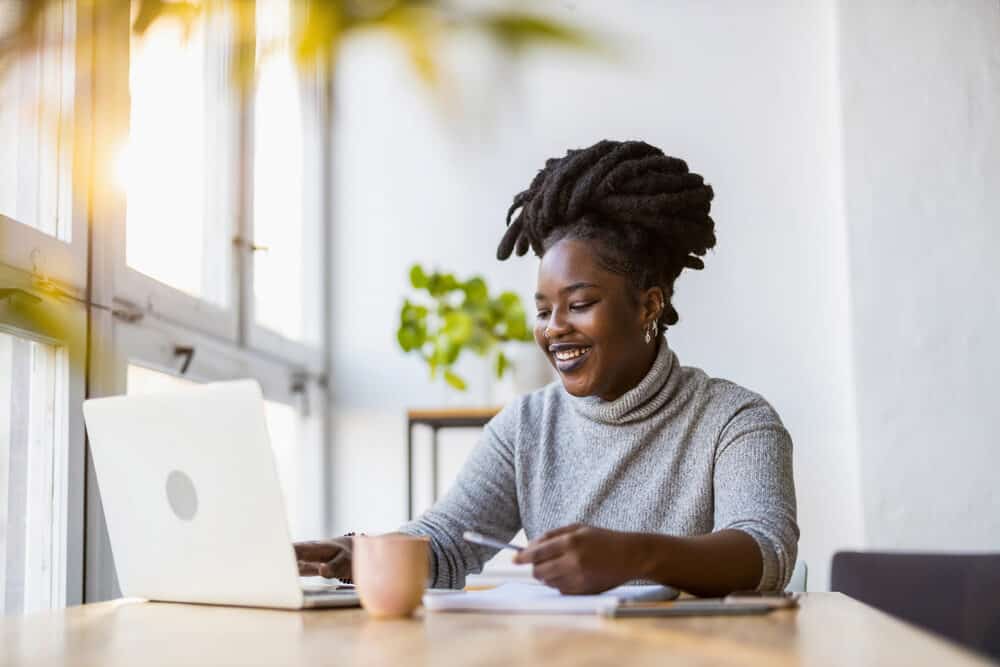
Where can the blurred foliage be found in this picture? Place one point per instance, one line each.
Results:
(321, 26)
(478, 323)
(450, 316)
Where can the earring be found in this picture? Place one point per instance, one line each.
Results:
(651, 331)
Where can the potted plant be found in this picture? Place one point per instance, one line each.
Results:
(448, 316)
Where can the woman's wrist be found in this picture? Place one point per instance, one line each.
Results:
(649, 555)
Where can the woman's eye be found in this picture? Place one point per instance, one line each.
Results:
(581, 306)
(542, 314)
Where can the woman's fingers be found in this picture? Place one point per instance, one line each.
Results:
(339, 567)
(546, 548)
(308, 568)
(558, 531)
(559, 573)
(549, 570)
(315, 552)
(324, 558)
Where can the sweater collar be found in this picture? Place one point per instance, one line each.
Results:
(637, 403)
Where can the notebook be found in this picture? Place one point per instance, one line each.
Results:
(527, 598)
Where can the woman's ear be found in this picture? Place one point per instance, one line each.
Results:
(651, 304)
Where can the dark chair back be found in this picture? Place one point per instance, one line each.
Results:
(955, 595)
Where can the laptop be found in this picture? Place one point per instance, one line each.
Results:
(193, 505)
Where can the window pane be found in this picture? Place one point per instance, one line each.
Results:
(32, 476)
(142, 380)
(36, 124)
(286, 276)
(174, 167)
(283, 423)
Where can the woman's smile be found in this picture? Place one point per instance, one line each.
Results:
(569, 357)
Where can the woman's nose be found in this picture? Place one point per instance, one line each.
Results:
(558, 325)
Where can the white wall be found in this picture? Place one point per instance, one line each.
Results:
(748, 95)
(921, 105)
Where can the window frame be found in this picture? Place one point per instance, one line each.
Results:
(150, 319)
(137, 291)
(69, 454)
(31, 250)
(316, 218)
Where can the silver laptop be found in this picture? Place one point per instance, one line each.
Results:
(193, 504)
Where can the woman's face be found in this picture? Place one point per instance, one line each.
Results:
(596, 322)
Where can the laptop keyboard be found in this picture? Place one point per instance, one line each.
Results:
(313, 590)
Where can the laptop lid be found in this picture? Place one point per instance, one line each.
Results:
(191, 495)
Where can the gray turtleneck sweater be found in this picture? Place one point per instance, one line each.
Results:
(679, 454)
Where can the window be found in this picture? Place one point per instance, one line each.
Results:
(175, 167)
(123, 212)
(42, 218)
(36, 130)
(43, 242)
(33, 475)
(142, 380)
(285, 229)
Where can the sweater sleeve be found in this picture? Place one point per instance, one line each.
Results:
(483, 498)
(755, 489)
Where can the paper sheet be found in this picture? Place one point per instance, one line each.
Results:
(539, 599)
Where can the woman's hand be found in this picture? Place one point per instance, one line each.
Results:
(326, 558)
(581, 559)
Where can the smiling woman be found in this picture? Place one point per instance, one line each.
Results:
(633, 467)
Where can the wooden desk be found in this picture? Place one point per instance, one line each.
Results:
(438, 419)
(828, 629)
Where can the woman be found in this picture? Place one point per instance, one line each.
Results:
(633, 467)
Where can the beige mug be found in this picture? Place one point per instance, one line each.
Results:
(390, 572)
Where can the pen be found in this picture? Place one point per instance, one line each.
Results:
(687, 608)
(477, 538)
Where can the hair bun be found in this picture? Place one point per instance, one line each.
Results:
(651, 213)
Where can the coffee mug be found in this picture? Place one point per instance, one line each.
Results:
(390, 572)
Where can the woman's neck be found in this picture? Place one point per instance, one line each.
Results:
(633, 376)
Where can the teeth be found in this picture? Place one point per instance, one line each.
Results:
(566, 355)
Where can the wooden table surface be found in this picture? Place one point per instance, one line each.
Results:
(434, 414)
(828, 629)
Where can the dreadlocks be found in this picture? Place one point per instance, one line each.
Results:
(649, 214)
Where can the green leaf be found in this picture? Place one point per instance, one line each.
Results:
(455, 381)
(435, 285)
(517, 327)
(480, 343)
(417, 277)
(410, 337)
(509, 300)
(475, 290)
(418, 30)
(458, 326)
(517, 30)
(501, 364)
(413, 314)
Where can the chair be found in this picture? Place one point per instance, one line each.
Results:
(955, 595)
(800, 578)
